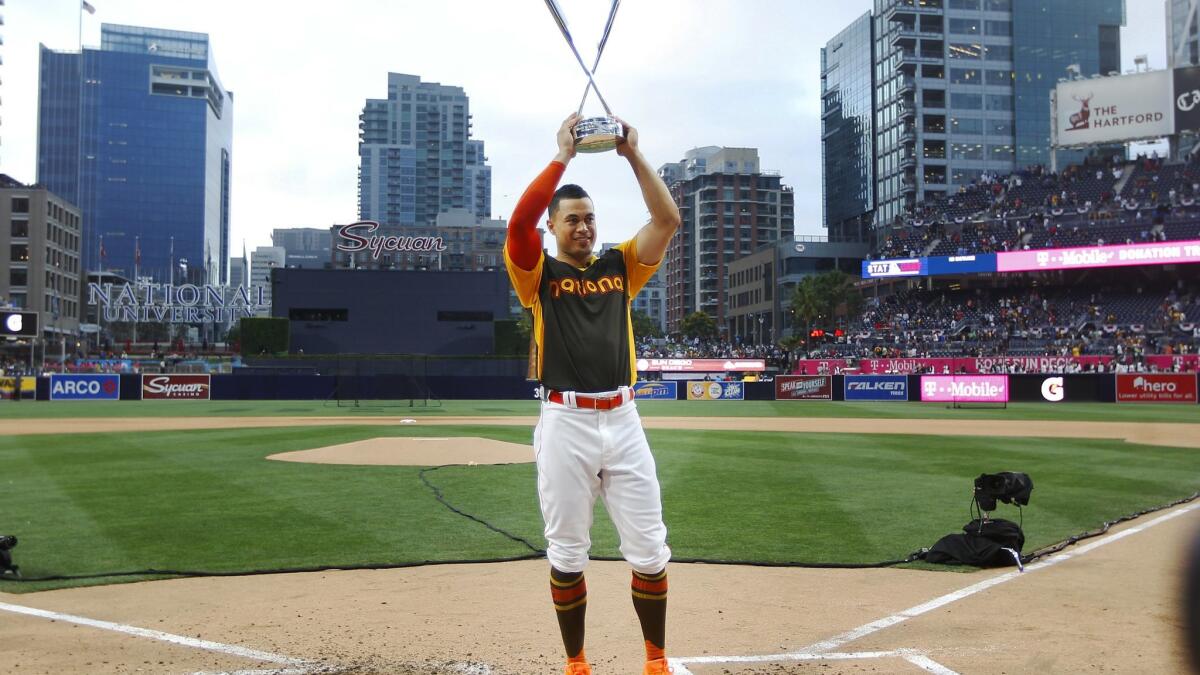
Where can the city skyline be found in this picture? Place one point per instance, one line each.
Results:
(296, 130)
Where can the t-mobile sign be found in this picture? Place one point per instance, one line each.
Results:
(964, 388)
(1082, 257)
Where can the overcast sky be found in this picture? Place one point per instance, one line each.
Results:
(686, 73)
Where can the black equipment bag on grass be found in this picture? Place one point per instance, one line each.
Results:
(990, 543)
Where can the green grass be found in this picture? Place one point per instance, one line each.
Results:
(207, 500)
(1098, 412)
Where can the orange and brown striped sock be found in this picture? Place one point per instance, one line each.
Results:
(650, 603)
(569, 591)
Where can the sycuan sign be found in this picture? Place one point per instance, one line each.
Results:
(167, 303)
(361, 236)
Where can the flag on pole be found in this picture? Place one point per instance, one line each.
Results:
(137, 251)
(87, 7)
(103, 254)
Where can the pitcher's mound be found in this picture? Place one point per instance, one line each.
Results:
(407, 451)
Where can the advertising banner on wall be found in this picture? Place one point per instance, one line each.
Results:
(1187, 98)
(8, 387)
(1083, 257)
(1156, 388)
(701, 365)
(84, 387)
(882, 269)
(715, 391)
(1114, 109)
(666, 391)
(964, 388)
(189, 387)
(876, 388)
(803, 388)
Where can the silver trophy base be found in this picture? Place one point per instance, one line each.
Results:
(598, 134)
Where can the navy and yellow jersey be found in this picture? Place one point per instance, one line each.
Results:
(582, 330)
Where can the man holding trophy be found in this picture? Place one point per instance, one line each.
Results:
(589, 440)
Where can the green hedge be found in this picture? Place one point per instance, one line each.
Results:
(268, 335)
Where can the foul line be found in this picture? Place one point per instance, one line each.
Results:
(822, 649)
(232, 650)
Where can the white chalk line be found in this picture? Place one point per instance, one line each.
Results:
(825, 646)
(182, 640)
(916, 658)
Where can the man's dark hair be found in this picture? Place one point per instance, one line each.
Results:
(568, 191)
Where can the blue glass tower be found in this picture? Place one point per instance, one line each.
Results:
(848, 131)
(139, 134)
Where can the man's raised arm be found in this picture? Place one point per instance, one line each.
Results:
(654, 236)
(523, 243)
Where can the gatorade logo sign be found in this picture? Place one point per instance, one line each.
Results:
(191, 387)
(1052, 389)
(1156, 388)
(69, 387)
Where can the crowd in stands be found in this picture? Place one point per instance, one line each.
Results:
(1099, 202)
(697, 348)
(1126, 323)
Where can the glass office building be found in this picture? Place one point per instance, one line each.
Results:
(416, 156)
(139, 134)
(848, 132)
(962, 87)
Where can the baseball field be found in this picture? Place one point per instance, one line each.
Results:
(299, 537)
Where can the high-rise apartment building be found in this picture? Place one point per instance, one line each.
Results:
(416, 155)
(138, 134)
(961, 87)
(729, 207)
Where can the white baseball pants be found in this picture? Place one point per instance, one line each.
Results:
(582, 454)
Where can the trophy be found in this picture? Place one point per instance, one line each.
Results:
(592, 134)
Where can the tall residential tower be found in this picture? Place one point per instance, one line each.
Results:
(416, 156)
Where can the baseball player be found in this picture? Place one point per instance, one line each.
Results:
(589, 440)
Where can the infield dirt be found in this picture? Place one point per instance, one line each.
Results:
(1114, 609)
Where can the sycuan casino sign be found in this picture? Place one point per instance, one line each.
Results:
(167, 303)
(361, 236)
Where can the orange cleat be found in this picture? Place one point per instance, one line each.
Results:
(581, 668)
(657, 667)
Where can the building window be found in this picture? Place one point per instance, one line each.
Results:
(966, 101)
(20, 228)
(964, 26)
(1000, 102)
(1002, 153)
(18, 277)
(965, 51)
(998, 5)
(966, 151)
(966, 125)
(999, 53)
(1001, 78)
(1001, 28)
(964, 76)
(964, 4)
(20, 204)
(19, 253)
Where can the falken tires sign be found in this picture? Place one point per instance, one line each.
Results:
(176, 387)
(876, 388)
(85, 387)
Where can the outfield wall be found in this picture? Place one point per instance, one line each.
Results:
(1180, 388)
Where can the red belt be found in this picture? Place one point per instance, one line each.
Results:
(589, 402)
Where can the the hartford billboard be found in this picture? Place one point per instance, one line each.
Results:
(1126, 107)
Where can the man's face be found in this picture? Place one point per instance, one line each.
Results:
(574, 228)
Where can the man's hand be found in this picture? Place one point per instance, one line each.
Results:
(566, 139)
(628, 147)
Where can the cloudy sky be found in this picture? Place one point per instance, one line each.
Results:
(687, 73)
